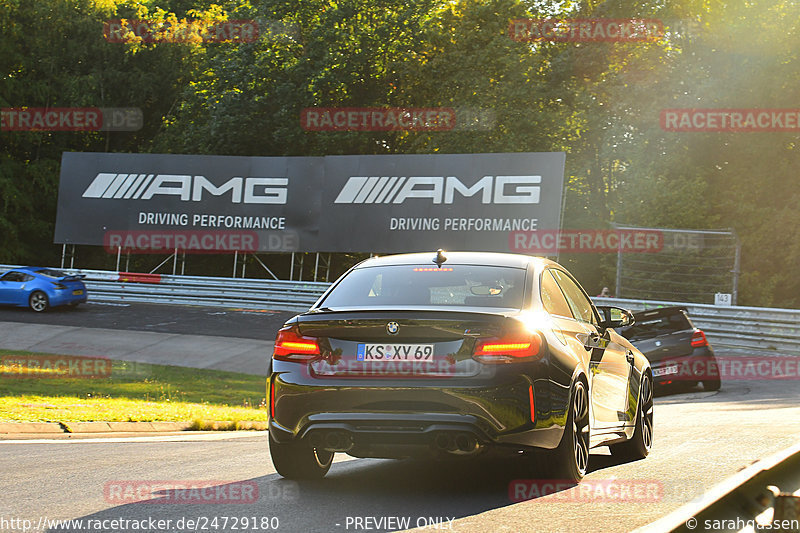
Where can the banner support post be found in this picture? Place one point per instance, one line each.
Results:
(302, 262)
(328, 271)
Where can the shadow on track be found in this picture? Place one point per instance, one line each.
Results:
(419, 490)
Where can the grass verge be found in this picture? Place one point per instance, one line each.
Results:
(133, 392)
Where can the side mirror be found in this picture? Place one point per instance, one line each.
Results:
(615, 317)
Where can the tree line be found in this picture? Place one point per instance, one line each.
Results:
(600, 101)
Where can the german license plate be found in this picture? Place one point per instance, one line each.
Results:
(666, 370)
(77, 293)
(396, 352)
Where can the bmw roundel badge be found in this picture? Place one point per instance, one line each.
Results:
(392, 328)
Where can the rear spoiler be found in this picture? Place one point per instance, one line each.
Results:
(659, 312)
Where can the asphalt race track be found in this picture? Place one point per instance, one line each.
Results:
(700, 439)
(180, 319)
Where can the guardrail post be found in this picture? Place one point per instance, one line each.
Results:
(786, 507)
(316, 267)
(119, 254)
(736, 260)
(291, 269)
(63, 254)
(175, 262)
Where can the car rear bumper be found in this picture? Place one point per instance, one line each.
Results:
(66, 297)
(395, 418)
(698, 366)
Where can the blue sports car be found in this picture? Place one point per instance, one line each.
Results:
(40, 288)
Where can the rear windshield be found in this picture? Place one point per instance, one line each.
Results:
(423, 285)
(653, 327)
(51, 273)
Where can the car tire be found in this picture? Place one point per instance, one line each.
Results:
(38, 302)
(570, 459)
(298, 460)
(638, 446)
(712, 384)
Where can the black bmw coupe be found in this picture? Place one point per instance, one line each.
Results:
(456, 354)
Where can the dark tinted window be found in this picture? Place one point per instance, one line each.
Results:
(423, 285)
(13, 276)
(579, 303)
(659, 325)
(552, 297)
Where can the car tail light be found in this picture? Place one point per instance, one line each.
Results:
(533, 405)
(291, 346)
(58, 285)
(699, 338)
(507, 349)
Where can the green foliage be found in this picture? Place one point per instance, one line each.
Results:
(598, 101)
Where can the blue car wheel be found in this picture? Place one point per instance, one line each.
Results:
(38, 301)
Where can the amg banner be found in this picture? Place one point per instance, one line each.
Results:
(471, 202)
(152, 203)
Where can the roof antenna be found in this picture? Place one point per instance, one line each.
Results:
(440, 258)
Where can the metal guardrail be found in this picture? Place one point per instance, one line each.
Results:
(245, 293)
(745, 501)
(732, 329)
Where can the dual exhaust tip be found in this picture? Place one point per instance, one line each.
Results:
(332, 441)
(460, 443)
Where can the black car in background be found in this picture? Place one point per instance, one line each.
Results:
(452, 355)
(678, 351)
